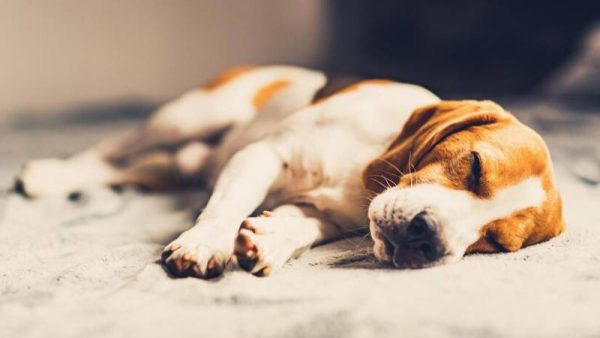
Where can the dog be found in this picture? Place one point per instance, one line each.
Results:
(293, 159)
(466, 176)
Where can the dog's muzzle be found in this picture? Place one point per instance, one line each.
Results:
(413, 244)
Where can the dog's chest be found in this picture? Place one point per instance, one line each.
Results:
(322, 167)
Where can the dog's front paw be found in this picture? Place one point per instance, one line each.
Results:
(196, 253)
(259, 250)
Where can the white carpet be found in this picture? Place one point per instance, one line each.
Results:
(88, 269)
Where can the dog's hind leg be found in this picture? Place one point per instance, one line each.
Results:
(158, 170)
(195, 117)
(199, 115)
(139, 158)
(65, 177)
(162, 169)
(266, 242)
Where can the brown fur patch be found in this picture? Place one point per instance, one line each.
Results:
(225, 77)
(435, 147)
(344, 85)
(265, 93)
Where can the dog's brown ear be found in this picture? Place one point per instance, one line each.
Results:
(427, 127)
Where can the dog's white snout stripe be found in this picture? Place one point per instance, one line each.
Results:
(461, 215)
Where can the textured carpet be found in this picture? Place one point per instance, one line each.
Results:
(89, 268)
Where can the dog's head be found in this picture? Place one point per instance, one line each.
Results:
(462, 176)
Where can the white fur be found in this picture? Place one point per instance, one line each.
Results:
(53, 176)
(287, 232)
(193, 116)
(192, 157)
(283, 154)
(201, 112)
(460, 214)
(315, 156)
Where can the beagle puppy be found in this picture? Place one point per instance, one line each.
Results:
(286, 162)
(462, 177)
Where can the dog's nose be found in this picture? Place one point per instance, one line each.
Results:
(423, 235)
(416, 243)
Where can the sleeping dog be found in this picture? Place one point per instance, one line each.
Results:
(294, 161)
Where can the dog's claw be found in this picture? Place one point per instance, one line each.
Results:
(19, 188)
(249, 256)
(182, 263)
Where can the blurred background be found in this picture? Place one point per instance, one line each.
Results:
(103, 59)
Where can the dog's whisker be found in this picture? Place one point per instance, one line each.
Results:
(381, 184)
(388, 181)
(393, 166)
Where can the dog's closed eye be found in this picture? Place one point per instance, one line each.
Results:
(474, 178)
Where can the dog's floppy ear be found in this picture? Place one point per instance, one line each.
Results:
(427, 127)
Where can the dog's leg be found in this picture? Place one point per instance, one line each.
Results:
(204, 250)
(159, 169)
(202, 114)
(53, 176)
(162, 169)
(265, 243)
(193, 116)
(161, 133)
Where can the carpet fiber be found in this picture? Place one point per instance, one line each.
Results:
(89, 268)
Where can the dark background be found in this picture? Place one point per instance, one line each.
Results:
(458, 47)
